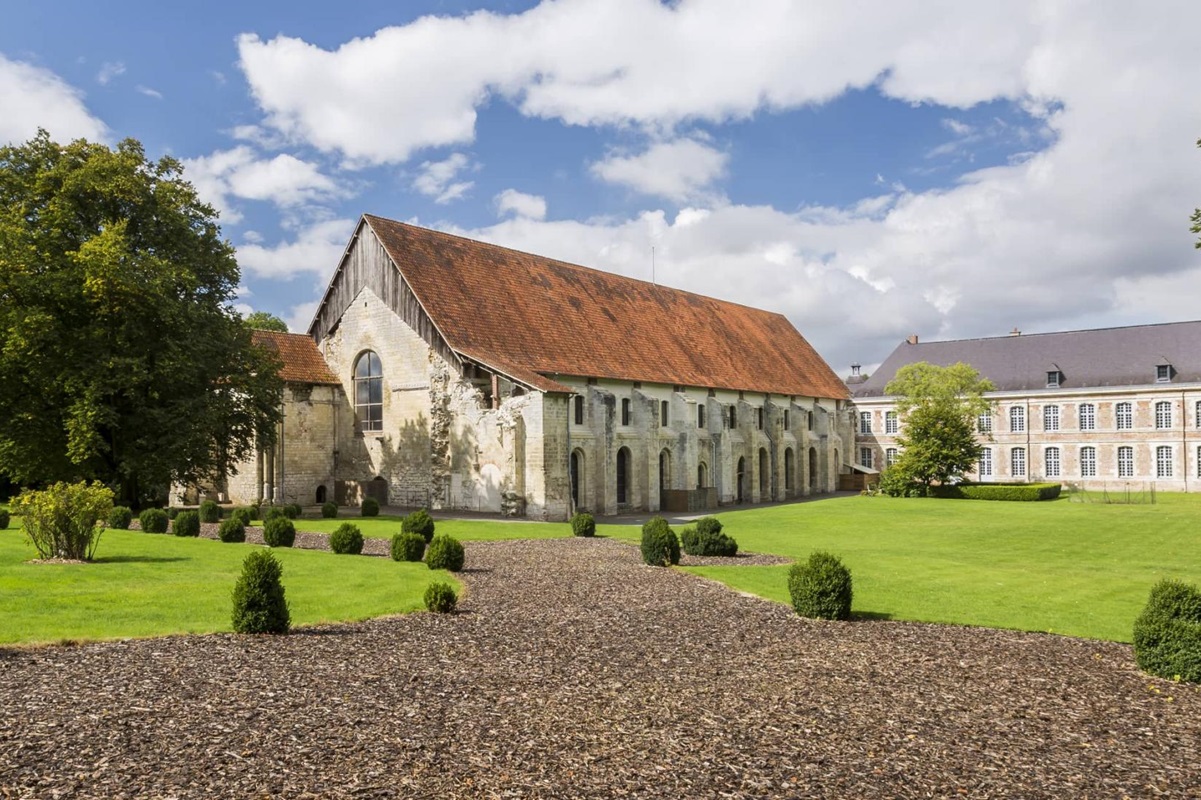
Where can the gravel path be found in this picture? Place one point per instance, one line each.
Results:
(574, 671)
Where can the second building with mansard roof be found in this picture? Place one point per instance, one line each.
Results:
(471, 376)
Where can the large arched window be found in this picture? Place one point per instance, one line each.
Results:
(369, 392)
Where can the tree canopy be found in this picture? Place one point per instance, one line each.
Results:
(121, 357)
(265, 321)
(1197, 217)
(939, 407)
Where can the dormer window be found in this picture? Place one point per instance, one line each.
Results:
(1054, 378)
(1163, 373)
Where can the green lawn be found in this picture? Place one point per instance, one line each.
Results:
(382, 527)
(1071, 568)
(153, 585)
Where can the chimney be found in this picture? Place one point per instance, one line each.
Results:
(1015, 332)
(912, 338)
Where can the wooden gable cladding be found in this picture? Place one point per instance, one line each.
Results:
(366, 263)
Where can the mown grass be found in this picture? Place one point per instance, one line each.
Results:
(382, 527)
(1058, 566)
(153, 585)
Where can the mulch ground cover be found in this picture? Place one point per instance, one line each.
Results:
(572, 670)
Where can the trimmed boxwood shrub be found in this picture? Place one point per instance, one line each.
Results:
(153, 520)
(370, 507)
(232, 529)
(5, 518)
(419, 522)
(998, 491)
(279, 532)
(187, 523)
(119, 518)
(243, 514)
(1167, 634)
(408, 547)
(274, 512)
(293, 511)
(583, 524)
(660, 547)
(346, 539)
(173, 511)
(821, 587)
(445, 552)
(259, 602)
(707, 540)
(440, 598)
(210, 511)
(329, 510)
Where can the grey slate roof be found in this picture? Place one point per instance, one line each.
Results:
(1104, 357)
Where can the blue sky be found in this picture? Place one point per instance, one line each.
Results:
(870, 170)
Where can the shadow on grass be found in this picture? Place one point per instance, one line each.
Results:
(864, 616)
(137, 559)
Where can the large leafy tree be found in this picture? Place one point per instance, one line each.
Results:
(121, 357)
(265, 321)
(939, 407)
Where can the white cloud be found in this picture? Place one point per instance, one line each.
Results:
(299, 316)
(437, 179)
(108, 71)
(678, 170)
(284, 180)
(146, 90)
(33, 97)
(316, 249)
(511, 201)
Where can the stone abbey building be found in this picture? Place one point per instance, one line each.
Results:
(444, 372)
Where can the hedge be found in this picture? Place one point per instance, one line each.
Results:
(998, 491)
(1167, 634)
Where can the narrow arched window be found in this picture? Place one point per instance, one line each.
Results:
(369, 392)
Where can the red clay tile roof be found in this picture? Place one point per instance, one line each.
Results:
(505, 307)
(302, 360)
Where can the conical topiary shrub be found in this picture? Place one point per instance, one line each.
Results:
(259, 603)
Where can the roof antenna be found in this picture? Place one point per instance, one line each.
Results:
(652, 264)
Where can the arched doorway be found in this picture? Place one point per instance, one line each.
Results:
(377, 488)
(623, 476)
(764, 476)
(321, 494)
(702, 475)
(741, 481)
(577, 468)
(789, 471)
(813, 468)
(664, 472)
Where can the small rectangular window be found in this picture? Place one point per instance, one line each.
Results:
(1124, 412)
(1163, 373)
(1199, 462)
(1050, 418)
(625, 411)
(1163, 414)
(786, 419)
(1088, 462)
(1125, 462)
(759, 417)
(1017, 419)
(1053, 379)
(578, 403)
(1088, 417)
(1163, 461)
(984, 468)
(890, 422)
(865, 457)
(1051, 462)
(700, 415)
(663, 413)
(865, 422)
(1017, 462)
(1197, 414)
(733, 417)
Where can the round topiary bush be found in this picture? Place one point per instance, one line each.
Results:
(118, 519)
(708, 526)
(408, 547)
(660, 547)
(5, 519)
(259, 602)
(329, 510)
(243, 514)
(707, 541)
(210, 511)
(153, 520)
(370, 507)
(187, 523)
(232, 530)
(583, 524)
(274, 512)
(821, 587)
(440, 597)
(279, 532)
(346, 539)
(1167, 634)
(293, 511)
(445, 552)
(419, 522)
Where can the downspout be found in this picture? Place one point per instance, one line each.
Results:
(1029, 454)
(571, 480)
(281, 491)
(1184, 438)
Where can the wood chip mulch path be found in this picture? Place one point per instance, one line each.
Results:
(574, 671)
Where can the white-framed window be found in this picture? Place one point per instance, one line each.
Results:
(1198, 462)
(984, 423)
(1050, 418)
(1163, 414)
(1017, 462)
(890, 422)
(369, 392)
(1088, 417)
(1124, 414)
(984, 467)
(1051, 462)
(890, 456)
(1017, 419)
(865, 457)
(1053, 377)
(1197, 414)
(865, 422)
(1163, 461)
(1088, 462)
(1125, 461)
